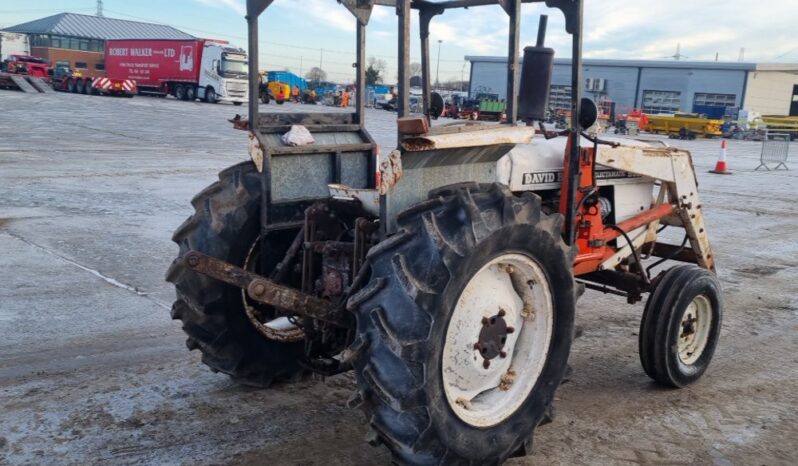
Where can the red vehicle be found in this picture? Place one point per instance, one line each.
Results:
(27, 64)
(67, 80)
(186, 69)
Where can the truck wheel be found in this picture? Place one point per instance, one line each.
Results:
(71, 86)
(191, 93)
(681, 325)
(229, 329)
(464, 329)
(90, 89)
(180, 92)
(210, 95)
(237, 104)
(265, 98)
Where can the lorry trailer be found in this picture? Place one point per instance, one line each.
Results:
(186, 69)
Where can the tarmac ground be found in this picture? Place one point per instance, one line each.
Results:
(93, 371)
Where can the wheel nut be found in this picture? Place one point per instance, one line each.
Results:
(510, 329)
(486, 364)
(485, 321)
(502, 354)
(192, 260)
(258, 289)
(502, 312)
(476, 346)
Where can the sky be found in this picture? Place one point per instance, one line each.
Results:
(299, 34)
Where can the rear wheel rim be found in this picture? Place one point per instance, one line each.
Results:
(694, 329)
(498, 340)
(279, 328)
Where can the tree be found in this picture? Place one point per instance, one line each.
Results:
(415, 69)
(316, 76)
(375, 70)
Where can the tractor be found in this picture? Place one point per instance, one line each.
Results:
(444, 273)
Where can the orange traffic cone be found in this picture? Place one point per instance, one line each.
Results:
(720, 167)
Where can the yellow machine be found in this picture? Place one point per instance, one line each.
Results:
(684, 126)
(781, 124)
(276, 90)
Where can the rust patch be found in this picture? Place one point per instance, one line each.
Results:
(255, 151)
(390, 171)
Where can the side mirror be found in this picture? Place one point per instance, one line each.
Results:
(435, 105)
(588, 113)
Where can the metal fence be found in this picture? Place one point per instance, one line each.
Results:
(775, 150)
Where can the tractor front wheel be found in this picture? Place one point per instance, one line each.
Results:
(464, 330)
(251, 343)
(681, 325)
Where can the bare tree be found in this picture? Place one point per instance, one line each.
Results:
(316, 75)
(377, 64)
(375, 71)
(415, 69)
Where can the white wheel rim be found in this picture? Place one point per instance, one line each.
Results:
(280, 328)
(694, 329)
(483, 396)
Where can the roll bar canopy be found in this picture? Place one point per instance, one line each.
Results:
(361, 10)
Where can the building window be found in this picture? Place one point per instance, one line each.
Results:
(84, 44)
(99, 66)
(81, 65)
(39, 40)
(55, 42)
(560, 97)
(74, 43)
(715, 100)
(661, 101)
(96, 45)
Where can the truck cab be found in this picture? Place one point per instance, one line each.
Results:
(223, 76)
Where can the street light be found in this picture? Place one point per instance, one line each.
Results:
(438, 66)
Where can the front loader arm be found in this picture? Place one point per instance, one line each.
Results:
(674, 168)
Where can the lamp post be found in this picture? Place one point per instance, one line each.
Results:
(438, 66)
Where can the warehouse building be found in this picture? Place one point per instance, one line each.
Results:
(79, 40)
(711, 88)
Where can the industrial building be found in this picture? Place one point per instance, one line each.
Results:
(711, 88)
(79, 40)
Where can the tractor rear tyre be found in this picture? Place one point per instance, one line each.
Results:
(464, 329)
(681, 325)
(217, 317)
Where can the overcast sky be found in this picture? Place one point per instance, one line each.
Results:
(298, 34)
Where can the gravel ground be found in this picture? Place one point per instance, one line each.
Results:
(93, 371)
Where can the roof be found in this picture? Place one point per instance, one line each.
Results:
(97, 27)
(683, 64)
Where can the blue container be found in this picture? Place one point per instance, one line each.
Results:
(286, 77)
